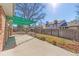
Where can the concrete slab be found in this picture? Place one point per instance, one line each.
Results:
(29, 46)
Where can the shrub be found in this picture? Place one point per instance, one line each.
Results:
(35, 36)
(62, 42)
(54, 42)
(38, 37)
(42, 38)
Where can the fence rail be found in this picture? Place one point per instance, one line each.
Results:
(65, 33)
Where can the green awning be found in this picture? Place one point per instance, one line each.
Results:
(20, 21)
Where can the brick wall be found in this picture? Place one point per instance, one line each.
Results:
(2, 30)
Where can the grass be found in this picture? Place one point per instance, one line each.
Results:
(57, 39)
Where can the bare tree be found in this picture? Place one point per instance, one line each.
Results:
(32, 11)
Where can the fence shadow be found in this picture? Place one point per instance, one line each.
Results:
(25, 41)
(11, 43)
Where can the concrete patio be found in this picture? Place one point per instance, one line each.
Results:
(29, 46)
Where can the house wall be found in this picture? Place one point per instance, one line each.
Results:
(3, 35)
(2, 32)
(8, 8)
(74, 27)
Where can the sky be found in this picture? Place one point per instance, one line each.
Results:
(61, 11)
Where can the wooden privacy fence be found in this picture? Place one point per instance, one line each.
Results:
(65, 33)
(70, 34)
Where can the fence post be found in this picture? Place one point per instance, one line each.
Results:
(58, 32)
(51, 31)
(41, 31)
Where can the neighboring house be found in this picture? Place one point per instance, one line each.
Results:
(73, 24)
(57, 24)
(62, 24)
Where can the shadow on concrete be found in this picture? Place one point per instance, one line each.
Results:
(25, 41)
(11, 43)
